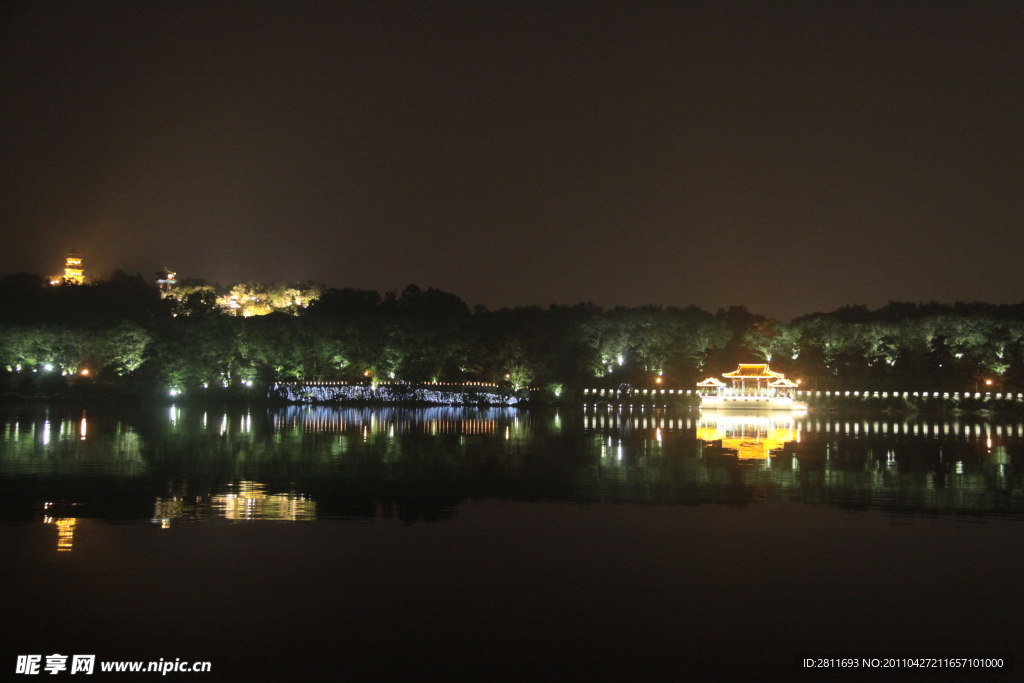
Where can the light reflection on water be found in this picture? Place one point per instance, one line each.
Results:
(242, 501)
(63, 445)
(301, 463)
(749, 436)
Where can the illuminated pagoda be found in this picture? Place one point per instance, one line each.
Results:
(74, 273)
(165, 281)
(754, 386)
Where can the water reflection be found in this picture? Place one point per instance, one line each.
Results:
(66, 444)
(392, 422)
(749, 436)
(241, 501)
(65, 531)
(308, 462)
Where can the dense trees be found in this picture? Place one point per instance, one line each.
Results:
(121, 330)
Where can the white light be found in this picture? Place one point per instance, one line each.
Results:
(47, 367)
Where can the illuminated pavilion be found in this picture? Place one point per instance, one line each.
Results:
(754, 386)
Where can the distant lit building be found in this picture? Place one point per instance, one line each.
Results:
(165, 281)
(74, 272)
(73, 269)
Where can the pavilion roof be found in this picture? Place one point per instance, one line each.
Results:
(711, 382)
(782, 382)
(753, 371)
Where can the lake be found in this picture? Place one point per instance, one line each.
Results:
(324, 543)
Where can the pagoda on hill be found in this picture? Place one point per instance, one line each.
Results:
(74, 272)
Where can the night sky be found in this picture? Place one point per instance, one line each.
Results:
(792, 157)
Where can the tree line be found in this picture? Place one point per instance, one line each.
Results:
(123, 332)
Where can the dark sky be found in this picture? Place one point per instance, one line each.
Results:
(791, 157)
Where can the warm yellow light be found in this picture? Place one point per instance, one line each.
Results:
(65, 533)
(658, 380)
(799, 381)
(85, 371)
(988, 381)
(366, 374)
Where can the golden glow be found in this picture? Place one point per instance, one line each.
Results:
(65, 531)
(85, 371)
(752, 437)
(252, 299)
(73, 272)
(251, 502)
(245, 500)
(752, 379)
(753, 371)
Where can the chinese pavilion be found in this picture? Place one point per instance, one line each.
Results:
(753, 378)
(754, 386)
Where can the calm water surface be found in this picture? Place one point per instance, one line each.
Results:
(316, 543)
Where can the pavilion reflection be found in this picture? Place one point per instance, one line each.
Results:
(751, 436)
